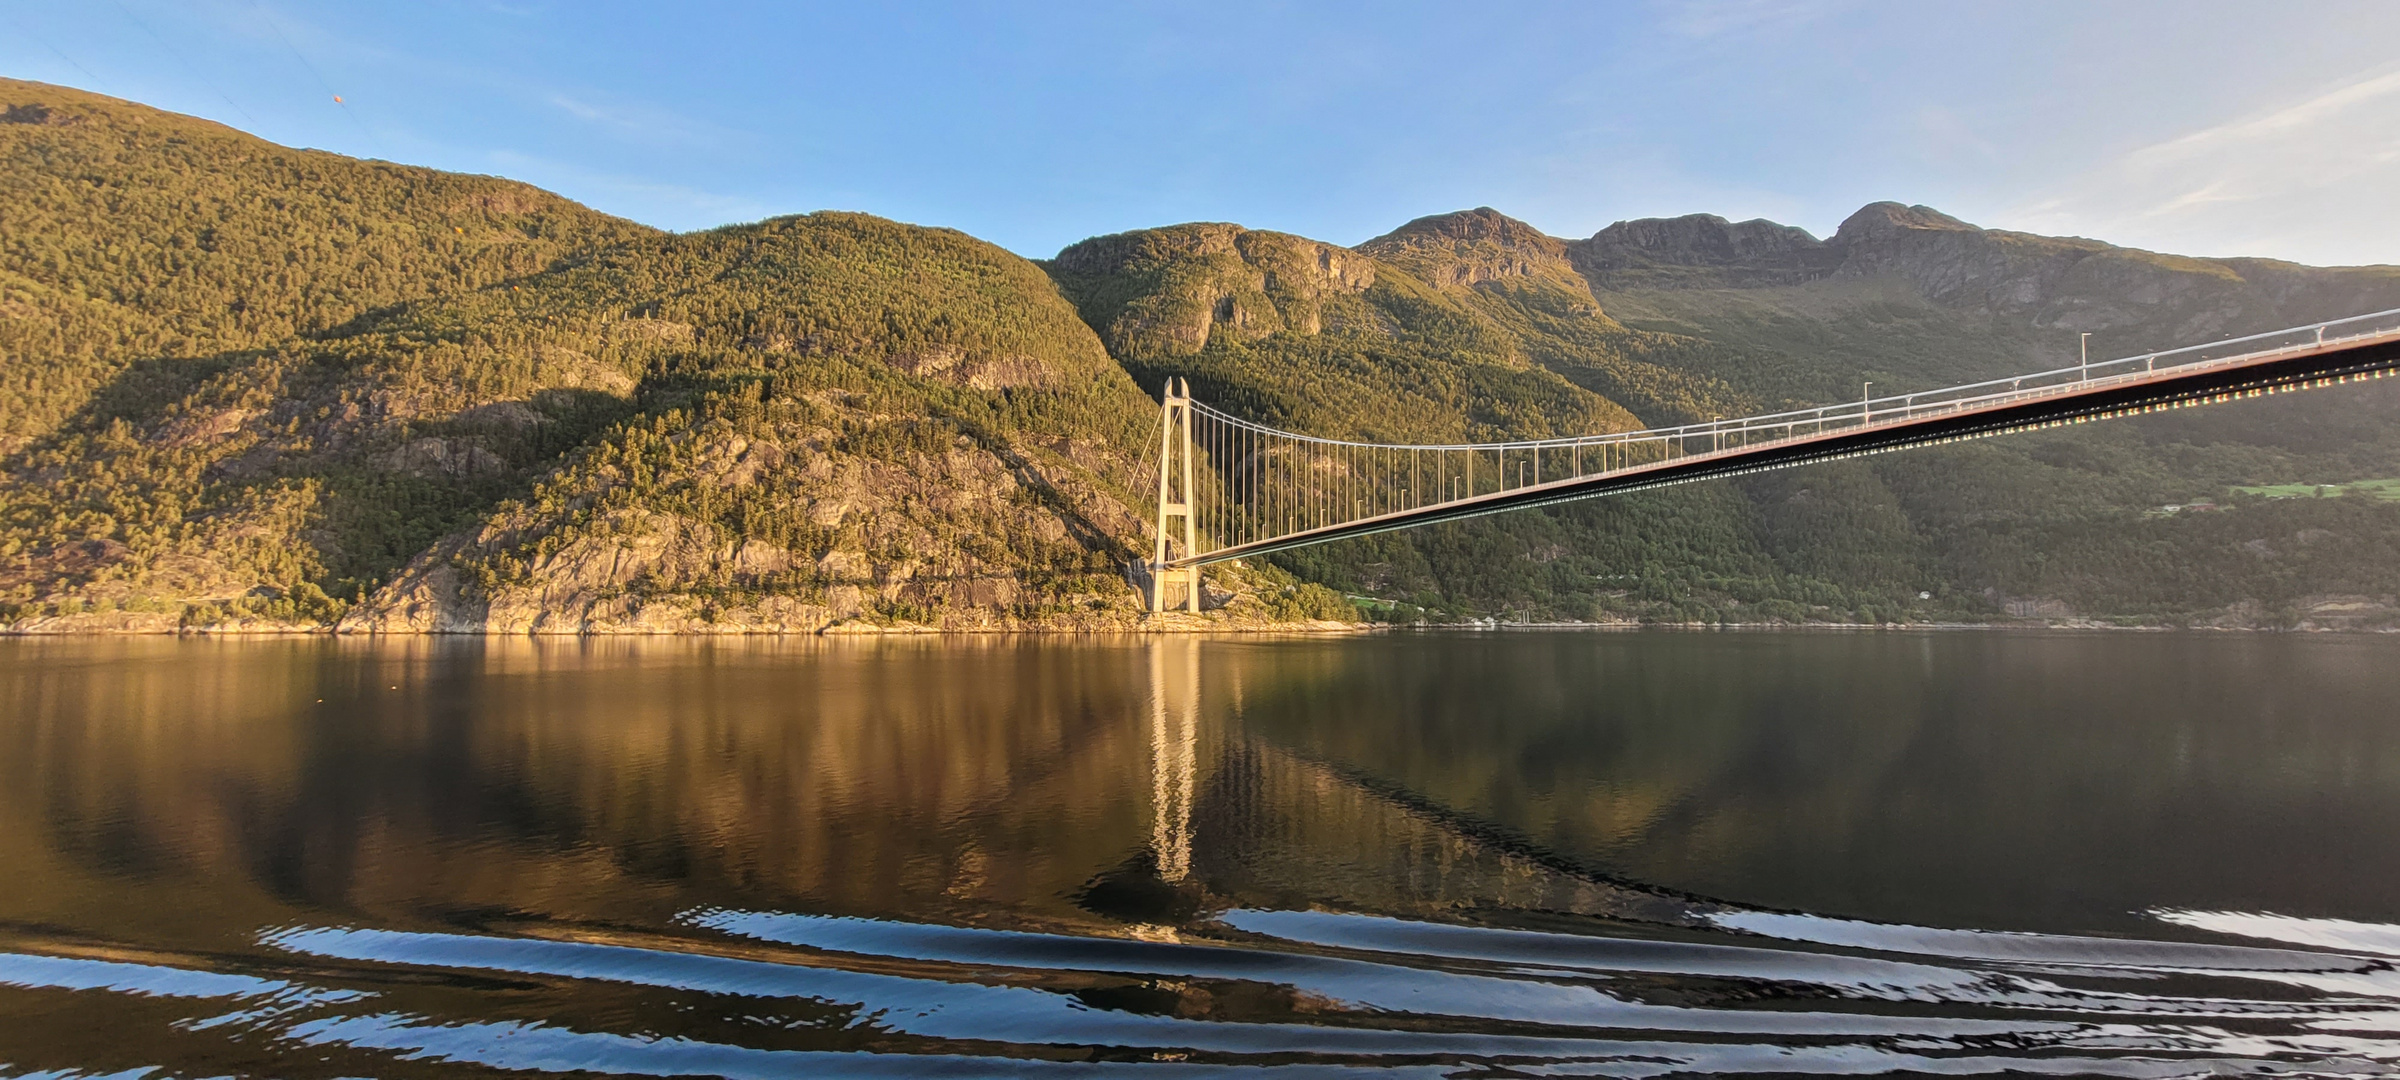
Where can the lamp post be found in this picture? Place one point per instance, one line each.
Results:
(1866, 402)
(2083, 349)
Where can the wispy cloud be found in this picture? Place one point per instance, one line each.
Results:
(2304, 118)
(671, 206)
(1718, 18)
(1944, 134)
(618, 116)
(638, 122)
(2318, 179)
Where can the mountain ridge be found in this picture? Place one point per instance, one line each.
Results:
(135, 235)
(548, 421)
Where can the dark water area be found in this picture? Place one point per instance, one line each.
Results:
(1499, 854)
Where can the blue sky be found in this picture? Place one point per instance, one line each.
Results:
(2193, 126)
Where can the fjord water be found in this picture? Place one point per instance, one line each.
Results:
(1442, 854)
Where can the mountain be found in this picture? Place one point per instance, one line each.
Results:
(137, 239)
(2068, 522)
(1680, 319)
(249, 387)
(1313, 337)
(2056, 282)
(810, 422)
(1776, 288)
(1479, 247)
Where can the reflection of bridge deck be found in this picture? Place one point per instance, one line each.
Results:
(1280, 823)
(1238, 489)
(1250, 818)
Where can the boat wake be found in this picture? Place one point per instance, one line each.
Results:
(740, 993)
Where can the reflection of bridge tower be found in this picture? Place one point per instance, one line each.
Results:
(1261, 819)
(1174, 751)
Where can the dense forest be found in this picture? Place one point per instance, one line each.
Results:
(249, 387)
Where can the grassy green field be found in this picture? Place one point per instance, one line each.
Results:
(2386, 489)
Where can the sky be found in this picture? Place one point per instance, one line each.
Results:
(2194, 126)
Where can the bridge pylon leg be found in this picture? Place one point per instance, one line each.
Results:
(1174, 498)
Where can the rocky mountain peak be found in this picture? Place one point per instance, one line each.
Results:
(2048, 282)
(1122, 252)
(1884, 220)
(1480, 225)
(1204, 280)
(1749, 251)
(1947, 259)
(1472, 247)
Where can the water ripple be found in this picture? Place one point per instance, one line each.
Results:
(1286, 992)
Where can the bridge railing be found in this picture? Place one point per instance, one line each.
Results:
(2078, 378)
(1249, 484)
(1898, 406)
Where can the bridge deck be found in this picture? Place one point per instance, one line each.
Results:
(2345, 350)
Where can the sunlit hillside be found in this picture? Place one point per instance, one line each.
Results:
(243, 386)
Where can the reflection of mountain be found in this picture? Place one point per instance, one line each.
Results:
(322, 859)
(628, 781)
(581, 781)
(1965, 779)
(1956, 779)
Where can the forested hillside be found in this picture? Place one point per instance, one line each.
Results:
(1679, 320)
(132, 239)
(800, 424)
(243, 386)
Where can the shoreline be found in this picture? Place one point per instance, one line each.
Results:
(1277, 629)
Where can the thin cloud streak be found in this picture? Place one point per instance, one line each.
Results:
(670, 206)
(2296, 118)
(2322, 174)
(1717, 18)
(1035, 126)
(646, 124)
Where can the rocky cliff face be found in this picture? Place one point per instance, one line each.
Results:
(1658, 252)
(1172, 289)
(2059, 283)
(1477, 247)
(1334, 340)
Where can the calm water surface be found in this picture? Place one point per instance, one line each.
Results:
(1516, 854)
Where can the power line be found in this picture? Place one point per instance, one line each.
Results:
(54, 50)
(272, 24)
(186, 62)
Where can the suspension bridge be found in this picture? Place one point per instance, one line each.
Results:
(1229, 488)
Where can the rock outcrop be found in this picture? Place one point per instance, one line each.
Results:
(1701, 248)
(1479, 247)
(1191, 282)
(2060, 283)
